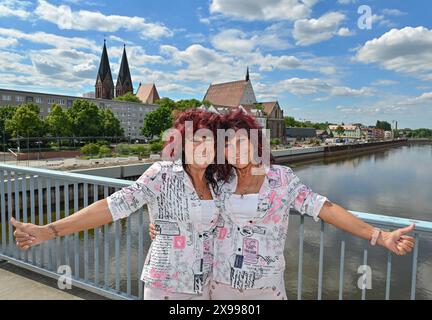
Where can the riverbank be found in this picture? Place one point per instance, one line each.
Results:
(323, 152)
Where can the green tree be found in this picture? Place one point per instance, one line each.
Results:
(157, 121)
(111, 126)
(58, 122)
(6, 113)
(166, 102)
(187, 104)
(291, 122)
(206, 103)
(128, 96)
(340, 131)
(26, 122)
(86, 118)
(383, 125)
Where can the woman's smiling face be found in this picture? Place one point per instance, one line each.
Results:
(238, 150)
(199, 150)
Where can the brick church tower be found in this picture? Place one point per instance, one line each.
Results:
(124, 79)
(104, 87)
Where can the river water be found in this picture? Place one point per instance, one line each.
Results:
(397, 182)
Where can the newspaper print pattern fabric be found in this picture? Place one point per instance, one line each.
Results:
(180, 257)
(250, 256)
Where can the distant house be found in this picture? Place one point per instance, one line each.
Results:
(350, 131)
(224, 96)
(147, 93)
(300, 133)
(372, 133)
(252, 110)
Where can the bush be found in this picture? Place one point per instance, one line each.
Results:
(156, 146)
(104, 151)
(102, 143)
(274, 142)
(90, 149)
(140, 150)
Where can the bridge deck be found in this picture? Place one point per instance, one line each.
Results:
(21, 284)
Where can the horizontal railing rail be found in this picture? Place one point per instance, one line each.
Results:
(108, 260)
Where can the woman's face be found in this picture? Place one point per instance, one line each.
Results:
(199, 150)
(238, 150)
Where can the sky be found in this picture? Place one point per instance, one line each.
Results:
(351, 61)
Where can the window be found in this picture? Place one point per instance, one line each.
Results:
(51, 101)
(19, 99)
(62, 102)
(29, 99)
(39, 100)
(69, 103)
(6, 97)
(49, 109)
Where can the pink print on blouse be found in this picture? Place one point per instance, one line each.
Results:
(158, 275)
(222, 233)
(276, 204)
(179, 242)
(129, 195)
(301, 196)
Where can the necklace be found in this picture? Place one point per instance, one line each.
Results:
(245, 189)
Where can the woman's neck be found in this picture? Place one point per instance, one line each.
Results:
(244, 172)
(197, 175)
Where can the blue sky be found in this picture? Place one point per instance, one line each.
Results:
(312, 56)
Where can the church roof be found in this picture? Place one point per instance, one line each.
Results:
(104, 66)
(226, 94)
(268, 106)
(124, 73)
(147, 93)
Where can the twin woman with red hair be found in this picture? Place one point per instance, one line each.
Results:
(218, 227)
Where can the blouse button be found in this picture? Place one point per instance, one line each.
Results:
(238, 229)
(200, 235)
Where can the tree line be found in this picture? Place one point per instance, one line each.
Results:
(83, 119)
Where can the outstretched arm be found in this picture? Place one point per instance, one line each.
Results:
(93, 216)
(118, 205)
(396, 241)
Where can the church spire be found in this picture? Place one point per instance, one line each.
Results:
(104, 83)
(247, 73)
(124, 79)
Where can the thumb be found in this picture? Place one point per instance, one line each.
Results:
(16, 223)
(407, 229)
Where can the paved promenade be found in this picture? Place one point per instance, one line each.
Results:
(21, 284)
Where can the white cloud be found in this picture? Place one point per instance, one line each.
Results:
(407, 50)
(384, 82)
(238, 42)
(51, 39)
(382, 21)
(119, 39)
(393, 12)
(424, 98)
(347, 1)
(310, 31)
(8, 42)
(308, 86)
(14, 8)
(263, 10)
(65, 18)
(345, 32)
